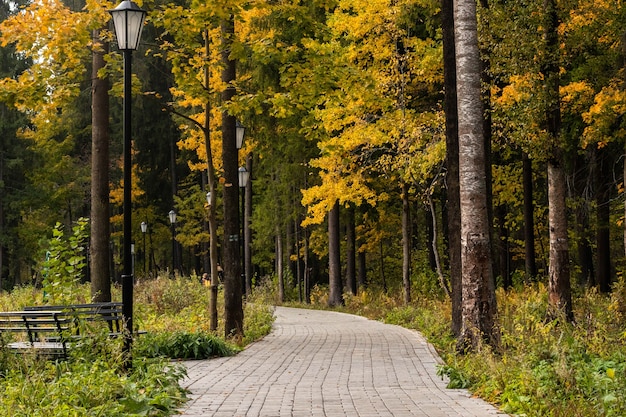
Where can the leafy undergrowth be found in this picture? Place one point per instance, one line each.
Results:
(173, 313)
(543, 367)
(92, 382)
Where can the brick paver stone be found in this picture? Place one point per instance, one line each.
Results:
(322, 363)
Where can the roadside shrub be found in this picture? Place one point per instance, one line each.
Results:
(182, 345)
(258, 321)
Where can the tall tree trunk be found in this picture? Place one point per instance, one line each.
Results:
(351, 284)
(335, 296)
(479, 303)
(280, 269)
(2, 216)
(530, 262)
(299, 276)
(487, 81)
(233, 303)
(307, 269)
(603, 213)
(453, 207)
(585, 168)
(504, 253)
(211, 182)
(362, 269)
(406, 244)
(100, 229)
(559, 289)
(289, 246)
(623, 87)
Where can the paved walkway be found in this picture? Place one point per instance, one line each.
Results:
(321, 363)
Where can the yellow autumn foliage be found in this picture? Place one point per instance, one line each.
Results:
(604, 117)
(520, 88)
(116, 195)
(576, 97)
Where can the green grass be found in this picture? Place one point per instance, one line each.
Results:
(93, 382)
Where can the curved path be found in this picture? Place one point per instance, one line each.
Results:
(322, 363)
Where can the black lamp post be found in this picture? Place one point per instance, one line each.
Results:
(172, 216)
(243, 181)
(240, 132)
(128, 20)
(144, 229)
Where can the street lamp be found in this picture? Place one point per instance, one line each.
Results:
(128, 21)
(243, 181)
(240, 131)
(243, 177)
(172, 215)
(144, 229)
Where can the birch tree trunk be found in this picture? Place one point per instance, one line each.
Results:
(559, 284)
(559, 291)
(478, 293)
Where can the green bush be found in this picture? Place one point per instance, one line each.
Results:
(182, 345)
(65, 262)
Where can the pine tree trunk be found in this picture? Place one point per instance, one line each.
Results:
(280, 269)
(351, 284)
(233, 303)
(362, 269)
(478, 303)
(406, 244)
(529, 219)
(603, 213)
(335, 296)
(452, 162)
(100, 230)
(307, 269)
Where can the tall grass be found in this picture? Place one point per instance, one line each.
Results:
(173, 312)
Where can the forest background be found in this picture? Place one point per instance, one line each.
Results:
(344, 108)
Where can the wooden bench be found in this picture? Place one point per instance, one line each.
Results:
(86, 315)
(44, 332)
(51, 329)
